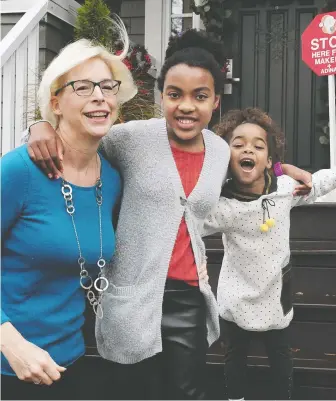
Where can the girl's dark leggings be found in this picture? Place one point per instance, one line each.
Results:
(277, 344)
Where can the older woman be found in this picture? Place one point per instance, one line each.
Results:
(57, 236)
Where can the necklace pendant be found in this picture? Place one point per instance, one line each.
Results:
(101, 284)
(81, 261)
(85, 280)
(90, 295)
(99, 194)
(98, 310)
(66, 190)
(101, 263)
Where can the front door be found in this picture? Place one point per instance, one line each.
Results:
(267, 59)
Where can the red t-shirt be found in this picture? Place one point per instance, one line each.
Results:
(182, 263)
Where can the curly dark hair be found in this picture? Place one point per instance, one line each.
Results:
(275, 137)
(195, 49)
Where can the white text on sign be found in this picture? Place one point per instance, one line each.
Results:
(322, 43)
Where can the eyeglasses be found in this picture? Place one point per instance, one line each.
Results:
(85, 87)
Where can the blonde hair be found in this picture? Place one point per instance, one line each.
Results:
(76, 53)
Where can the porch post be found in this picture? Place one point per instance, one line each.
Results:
(331, 197)
(157, 13)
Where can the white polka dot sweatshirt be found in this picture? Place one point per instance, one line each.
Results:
(254, 282)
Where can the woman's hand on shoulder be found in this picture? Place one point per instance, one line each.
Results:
(45, 148)
(29, 362)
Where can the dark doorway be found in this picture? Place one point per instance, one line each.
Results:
(267, 59)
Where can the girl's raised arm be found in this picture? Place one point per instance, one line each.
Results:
(323, 182)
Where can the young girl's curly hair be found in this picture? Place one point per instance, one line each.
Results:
(275, 137)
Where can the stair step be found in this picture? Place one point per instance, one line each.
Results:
(313, 287)
(299, 244)
(308, 384)
(261, 362)
(301, 251)
(316, 305)
(313, 346)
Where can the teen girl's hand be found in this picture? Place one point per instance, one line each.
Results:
(29, 362)
(203, 273)
(45, 148)
(304, 177)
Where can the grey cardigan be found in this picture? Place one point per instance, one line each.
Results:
(151, 211)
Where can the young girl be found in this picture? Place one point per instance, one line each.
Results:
(254, 287)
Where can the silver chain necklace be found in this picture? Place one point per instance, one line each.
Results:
(86, 282)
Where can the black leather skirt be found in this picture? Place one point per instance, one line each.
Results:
(183, 317)
(184, 340)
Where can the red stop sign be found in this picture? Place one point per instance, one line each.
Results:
(319, 44)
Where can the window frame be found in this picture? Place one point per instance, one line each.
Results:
(196, 19)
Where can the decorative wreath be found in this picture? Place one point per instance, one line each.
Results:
(138, 60)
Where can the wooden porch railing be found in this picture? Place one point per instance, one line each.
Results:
(19, 54)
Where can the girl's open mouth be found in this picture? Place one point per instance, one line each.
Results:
(247, 165)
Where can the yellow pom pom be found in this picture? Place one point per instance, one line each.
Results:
(270, 223)
(264, 228)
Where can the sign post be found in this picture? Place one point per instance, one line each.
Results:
(319, 53)
(332, 120)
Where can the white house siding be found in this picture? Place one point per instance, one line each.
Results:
(133, 15)
(7, 23)
(54, 35)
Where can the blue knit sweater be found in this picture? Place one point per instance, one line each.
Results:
(41, 295)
